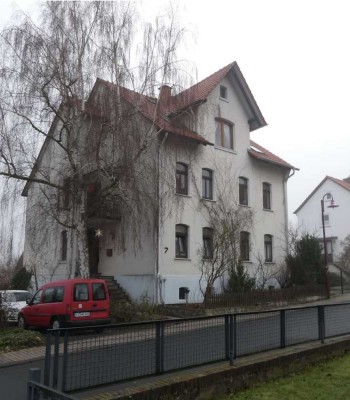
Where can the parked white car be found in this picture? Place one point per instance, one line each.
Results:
(12, 301)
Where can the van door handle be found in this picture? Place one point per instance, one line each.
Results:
(94, 305)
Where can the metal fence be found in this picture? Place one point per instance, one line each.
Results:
(78, 359)
(259, 297)
(37, 391)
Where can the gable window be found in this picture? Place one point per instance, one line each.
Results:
(223, 92)
(244, 246)
(181, 241)
(181, 178)
(243, 191)
(224, 133)
(268, 248)
(207, 243)
(266, 196)
(64, 245)
(207, 184)
(64, 197)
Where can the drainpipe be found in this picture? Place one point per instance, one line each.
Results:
(291, 173)
(158, 277)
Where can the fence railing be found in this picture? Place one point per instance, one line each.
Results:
(260, 297)
(37, 391)
(82, 359)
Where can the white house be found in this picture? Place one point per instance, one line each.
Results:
(203, 154)
(309, 214)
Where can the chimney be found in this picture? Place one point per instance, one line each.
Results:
(164, 94)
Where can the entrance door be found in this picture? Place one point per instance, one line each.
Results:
(94, 252)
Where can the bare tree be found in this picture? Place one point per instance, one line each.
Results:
(227, 220)
(88, 140)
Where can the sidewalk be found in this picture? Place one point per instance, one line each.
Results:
(38, 353)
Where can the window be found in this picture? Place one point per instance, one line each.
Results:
(64, 197)
(268, 248)
(244, 246)
(266, 196)
(207, 184)
(98, 291)
(81, 292)
(223, 92)
(48, 295)
(37, 297)
(224, 133)
(181, 240)
(181, 178)
(243, 191)
(207, 243)
(64, 245)
(183, 293)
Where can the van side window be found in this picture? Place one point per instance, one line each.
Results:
(81, 292)
(98, 291)
(37, 296)
(48, 295)
(58, 296)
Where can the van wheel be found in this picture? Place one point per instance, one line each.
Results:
(55, 324)
(22, 322)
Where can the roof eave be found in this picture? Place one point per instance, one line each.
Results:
(256, 157)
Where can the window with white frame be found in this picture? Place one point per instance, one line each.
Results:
(207, 184)
(208, 243)
(266, 196)
(181, 178)
(181, 241)
(243, 191)
(244, 246)
(223, 92)
(224, 133)
(268, 248)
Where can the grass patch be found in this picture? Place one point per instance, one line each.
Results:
(328, 380)
(12, 339)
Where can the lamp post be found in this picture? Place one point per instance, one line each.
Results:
(332, 205)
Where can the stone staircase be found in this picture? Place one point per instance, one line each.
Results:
(116, 292)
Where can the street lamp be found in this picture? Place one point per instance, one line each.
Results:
(332, 205)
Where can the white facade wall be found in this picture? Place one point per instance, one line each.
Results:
(310, 215)
(227, 166)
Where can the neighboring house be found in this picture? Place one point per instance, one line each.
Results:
(203, 153)
(309, 214)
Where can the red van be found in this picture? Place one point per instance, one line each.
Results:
(65, 303)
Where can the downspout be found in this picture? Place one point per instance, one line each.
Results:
(158, 278)
(291, 173)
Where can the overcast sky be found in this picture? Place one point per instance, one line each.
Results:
(295, 56)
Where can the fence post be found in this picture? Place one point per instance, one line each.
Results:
(283, 328)
(227, 337)
(34, 375)
(56, 357)
(233, 341)
(65, 355)
(321, 323)
(159, 347)
(47, 359)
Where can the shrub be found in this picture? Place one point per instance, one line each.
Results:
(239, 280)
(143, 310)
(21, 279)
(15, 339)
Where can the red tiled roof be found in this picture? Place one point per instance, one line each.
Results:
(200, 91)
(341, 182)
(260, 153)
(149, 108)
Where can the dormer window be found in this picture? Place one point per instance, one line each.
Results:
(223, 92)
